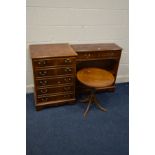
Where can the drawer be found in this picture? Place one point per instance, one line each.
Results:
(53, 62)
(54, 71)
(98, 54)
(55, 97)
(53, 81)
(57, 89)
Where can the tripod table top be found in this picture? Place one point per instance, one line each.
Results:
(95, 77)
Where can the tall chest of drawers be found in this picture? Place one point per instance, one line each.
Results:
(54, 70)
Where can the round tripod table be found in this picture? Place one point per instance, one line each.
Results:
(94, 78)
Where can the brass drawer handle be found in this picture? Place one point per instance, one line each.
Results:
(42, 73)
(67, 61)
(42, 62)
(68, 69)
(43, 90)
(67, 88)
(44, 99)
(67, 79)
(43, 82)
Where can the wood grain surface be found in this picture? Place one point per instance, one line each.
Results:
(51, 50)
(96, 47)
(95, 77)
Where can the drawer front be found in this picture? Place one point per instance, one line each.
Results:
(55, 98)
(54, 71)
(60, 89)
(98, 54)
(53, 62)
(53, 81)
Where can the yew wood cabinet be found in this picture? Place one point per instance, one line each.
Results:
(55, 67)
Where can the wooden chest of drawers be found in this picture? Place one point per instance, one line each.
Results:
(54, 69)
(102, 55)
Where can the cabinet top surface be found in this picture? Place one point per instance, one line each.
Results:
(51, 50)
(96, 47)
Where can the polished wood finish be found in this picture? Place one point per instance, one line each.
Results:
(55, 65)
(54, 80)
(54, 62)
(96, 47)
(57, 89)
(68, 70)
(102, 55)
(55, 97)
(95, 77)
(51, 51)
(54, 69)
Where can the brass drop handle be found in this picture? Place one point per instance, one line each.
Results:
(67, 79)
(43, 90)
(43, 82)
(67, 61)
(68, 69)
(44, 99)
(42, 62)
(42, 73)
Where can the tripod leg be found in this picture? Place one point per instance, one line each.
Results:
(88, 106)
(99, 105)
